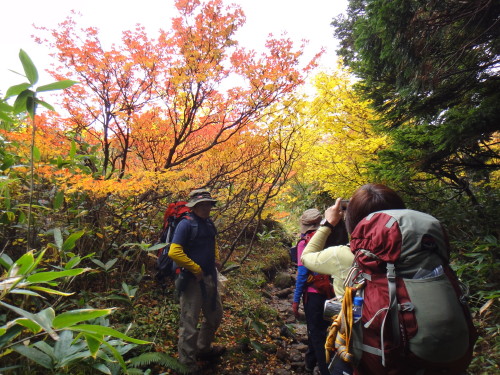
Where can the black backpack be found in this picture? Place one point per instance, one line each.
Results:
(293, 250)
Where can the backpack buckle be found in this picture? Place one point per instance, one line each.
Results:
(391, 272)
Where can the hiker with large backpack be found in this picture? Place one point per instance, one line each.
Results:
(314, 289)
(414, 318)
(197, 283)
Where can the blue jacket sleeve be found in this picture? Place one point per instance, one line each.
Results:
(300, 283)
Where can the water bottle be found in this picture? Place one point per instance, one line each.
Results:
(357, 308)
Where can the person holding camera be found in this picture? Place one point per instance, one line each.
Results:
(337, 260)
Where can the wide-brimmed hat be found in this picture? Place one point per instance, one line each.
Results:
(198, 196)
(310, 220)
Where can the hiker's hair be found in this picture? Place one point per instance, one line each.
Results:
(338, 236)
(371, 198)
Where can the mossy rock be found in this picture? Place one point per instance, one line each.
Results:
(283, 280)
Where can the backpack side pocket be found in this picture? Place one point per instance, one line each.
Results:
(442, 335)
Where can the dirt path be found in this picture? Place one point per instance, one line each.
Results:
(294, 332)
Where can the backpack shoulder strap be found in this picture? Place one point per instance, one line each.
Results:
(212, 225)
(307, 236)
(193, 226)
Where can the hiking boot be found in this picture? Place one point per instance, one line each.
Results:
(193, 370)
(309, 370)
(214, 352)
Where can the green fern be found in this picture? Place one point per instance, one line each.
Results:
(162, 359)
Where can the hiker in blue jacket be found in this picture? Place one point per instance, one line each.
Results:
(314, 289)
(197, 283)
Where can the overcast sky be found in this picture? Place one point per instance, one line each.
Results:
(300, 19)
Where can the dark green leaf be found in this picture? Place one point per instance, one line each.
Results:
(93, 344)
(59, 85)
(58, 239)
(58, 200)
(23, 265)
(8, 162)
(44, 318)
(11, 333)
(71, 240)
(43, 277)
(73, 317)
(29, 67)
(156, 247)
(45, 104)
(6, 261)
(36, 154)
(31, 106)
(95, 329)
(72, 262)
(20, 104)
(6, 118)
(16, 90)
(35, 355)
(72, 151)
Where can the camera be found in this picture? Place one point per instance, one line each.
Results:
(344, 203)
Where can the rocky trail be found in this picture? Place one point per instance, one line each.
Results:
(289, 343)
(280, 295)
(283, 351)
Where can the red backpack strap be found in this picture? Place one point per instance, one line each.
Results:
(308, 236)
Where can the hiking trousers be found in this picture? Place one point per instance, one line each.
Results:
(196, 298)
(316, 331)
